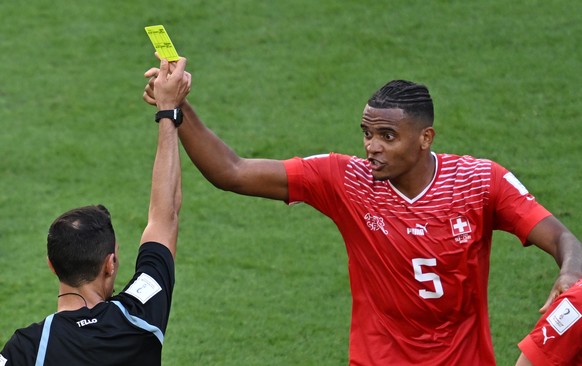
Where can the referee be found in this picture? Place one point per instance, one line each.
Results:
(90, 326)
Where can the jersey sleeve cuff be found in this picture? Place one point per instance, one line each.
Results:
(532, 352)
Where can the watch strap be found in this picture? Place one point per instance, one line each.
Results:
(174, 114)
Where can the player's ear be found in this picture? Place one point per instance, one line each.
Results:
(426, 138)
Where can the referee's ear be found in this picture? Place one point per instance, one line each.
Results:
(110, 264)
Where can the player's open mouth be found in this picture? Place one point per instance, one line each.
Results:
(375, 164)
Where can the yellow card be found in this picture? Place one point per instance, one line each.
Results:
(162, 42)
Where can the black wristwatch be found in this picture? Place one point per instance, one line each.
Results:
(174, 114)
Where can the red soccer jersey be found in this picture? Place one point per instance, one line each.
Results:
(418, 267)
(557, 337)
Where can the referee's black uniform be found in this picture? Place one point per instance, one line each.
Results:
(128, 329)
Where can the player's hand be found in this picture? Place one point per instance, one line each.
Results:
(563, 282)
(170, 88)
(148, 93)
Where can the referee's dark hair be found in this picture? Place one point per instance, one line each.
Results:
(414, 99)
(78, 242)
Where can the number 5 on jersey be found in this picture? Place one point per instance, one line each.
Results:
(417, 264)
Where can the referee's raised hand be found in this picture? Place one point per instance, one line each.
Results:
(172, 84)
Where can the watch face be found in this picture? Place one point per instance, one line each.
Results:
(177, 116)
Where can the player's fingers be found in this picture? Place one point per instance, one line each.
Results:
(549, 301)
(149, 88)
(188, 77)
(148, 92)
(153, 72)
(148, 98)
(151, 83)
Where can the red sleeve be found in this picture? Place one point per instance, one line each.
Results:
(533, 353)
(294, 168)
(317, 180)
(515, 209)
(555, 339)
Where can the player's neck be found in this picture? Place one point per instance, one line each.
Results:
(417, 180)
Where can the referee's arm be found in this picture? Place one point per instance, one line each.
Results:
(166, 193)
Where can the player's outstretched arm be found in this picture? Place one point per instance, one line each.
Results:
(166, 192)
(218, 162)
(554, 238)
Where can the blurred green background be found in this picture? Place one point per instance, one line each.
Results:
(259, 283)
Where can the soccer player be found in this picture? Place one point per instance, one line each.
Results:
(417, 226)
(557, 337)
(90, 326)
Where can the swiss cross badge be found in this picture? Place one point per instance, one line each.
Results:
(461, 228)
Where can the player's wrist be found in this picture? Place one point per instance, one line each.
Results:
(166, 106)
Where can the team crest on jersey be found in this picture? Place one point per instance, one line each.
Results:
(375, 223)
(461, 229)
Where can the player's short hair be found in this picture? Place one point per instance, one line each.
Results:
(414, 99)
(78, 242)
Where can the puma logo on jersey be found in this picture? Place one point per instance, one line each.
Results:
(545, 333)
(418, 230)
(82, 323)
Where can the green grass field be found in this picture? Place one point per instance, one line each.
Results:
(259, 283)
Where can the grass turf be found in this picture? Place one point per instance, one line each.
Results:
(259, 283)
